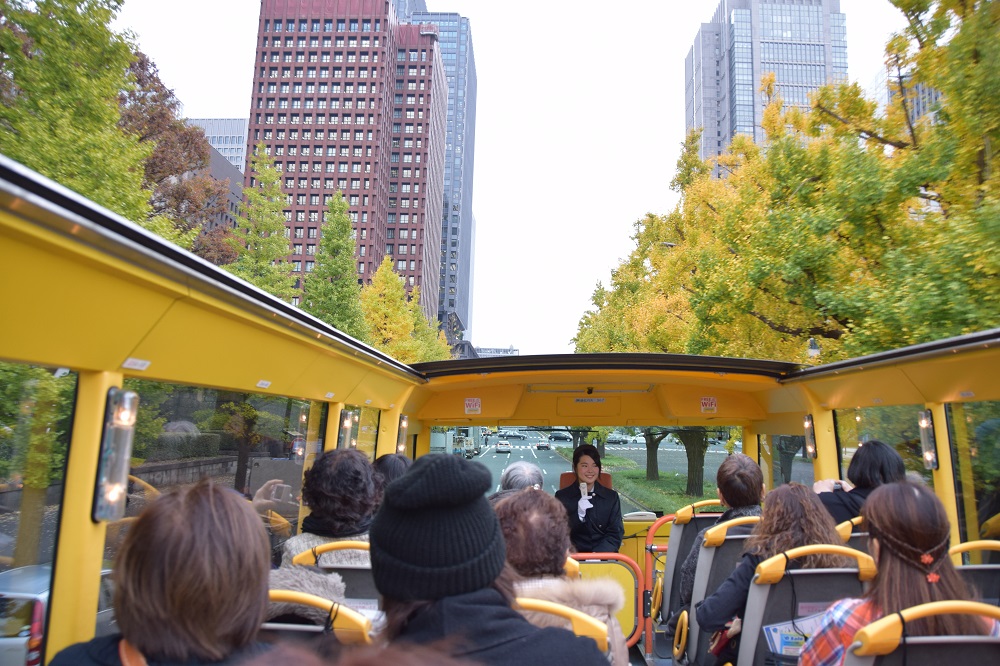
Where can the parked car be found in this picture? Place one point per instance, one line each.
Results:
(560, 436)
(513, 434)
(616, 438)
(503, 446)
(24, 595)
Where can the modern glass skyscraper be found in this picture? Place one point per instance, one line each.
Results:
(458, 226)
(227, 135)
(803, 42)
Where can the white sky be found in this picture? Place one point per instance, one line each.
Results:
(580, 116)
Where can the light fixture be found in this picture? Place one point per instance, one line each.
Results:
(810, 431)
(928, 443)
(111, 488)
(813, 348)
(404, 424)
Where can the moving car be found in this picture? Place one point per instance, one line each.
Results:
(560, 436)
(543, 444)
(513, 434)
(616, 438)
(503, 446)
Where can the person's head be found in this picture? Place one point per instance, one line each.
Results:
(191, 576)
(909, 533)
(341, 490)
(536, 532)
(521, 474)
(793, 516)
(740, 481)
(435, 536)
(875, 463)
(587, 463)
(391, 466)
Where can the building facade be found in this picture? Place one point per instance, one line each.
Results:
(458, 225)
(226, 135)
(221, 167)
(803, 42)
(323, 103)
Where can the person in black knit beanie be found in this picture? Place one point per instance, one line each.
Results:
(439, 561)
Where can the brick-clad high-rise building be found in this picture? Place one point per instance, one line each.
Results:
(323, 104)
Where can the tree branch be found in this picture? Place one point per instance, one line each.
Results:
(815, 331)
(863, 133)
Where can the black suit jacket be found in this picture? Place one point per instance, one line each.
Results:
(601, 530)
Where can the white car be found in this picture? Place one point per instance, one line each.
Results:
(503, 446)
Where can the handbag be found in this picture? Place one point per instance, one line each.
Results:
(726, 640)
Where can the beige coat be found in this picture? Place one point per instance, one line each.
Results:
(598, 598)
(337, 558)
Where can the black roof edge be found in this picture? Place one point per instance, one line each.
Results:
(37, 190)
(620, 361)
(961, 343)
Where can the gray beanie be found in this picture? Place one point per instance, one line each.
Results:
(436, 535)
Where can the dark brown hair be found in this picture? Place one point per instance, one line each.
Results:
(911, 528)
(793, 516)
(191, 577)
(740, 480)
(588, 450)
(536, 532)
(341, 490)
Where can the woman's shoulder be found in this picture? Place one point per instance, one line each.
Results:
(100, 651)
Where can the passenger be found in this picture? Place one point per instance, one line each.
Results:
(391, 466)
(438, 559)
(595, 517)
(342, 493)
(537, 535)
(909, 533)
(873, 464)
(793, 516)
(518, 476)
(190, 584)
(740, 485)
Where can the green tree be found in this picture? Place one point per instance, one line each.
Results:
(61, 73)
(260, 239)
(331, 291)
(432, 344)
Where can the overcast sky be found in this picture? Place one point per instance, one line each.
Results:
(580, 116)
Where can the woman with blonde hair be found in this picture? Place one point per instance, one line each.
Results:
(909, 538)
(792, 516)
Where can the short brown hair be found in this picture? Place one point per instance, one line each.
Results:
(191, 577)
(740, 480)
(536, 531)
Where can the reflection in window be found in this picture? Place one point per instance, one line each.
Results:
(896, 426)
(974, 430)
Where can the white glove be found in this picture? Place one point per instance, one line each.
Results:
(582, 506)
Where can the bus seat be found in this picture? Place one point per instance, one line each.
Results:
(349, 626)
(583, 624)
(567, 479)
(781, 595)
(360, 591)
(719, 555)
(882, 643)
(983, 577)
(848, 527)
(685, 527)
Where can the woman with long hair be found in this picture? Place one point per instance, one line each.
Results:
(909, 539)
(792, 516)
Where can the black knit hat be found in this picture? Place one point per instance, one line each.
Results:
(436, 535)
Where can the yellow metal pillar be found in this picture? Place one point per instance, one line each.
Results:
(943, 476)
(78, 562)
(388, 431)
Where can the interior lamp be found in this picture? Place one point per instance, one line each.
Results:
(111, 490)
(810, 432)
(928, 444)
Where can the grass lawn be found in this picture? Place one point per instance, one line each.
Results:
(666, 495)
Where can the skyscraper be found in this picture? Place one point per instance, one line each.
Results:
(803, 42)
(458, 226)
(340, 107)
(226, 135)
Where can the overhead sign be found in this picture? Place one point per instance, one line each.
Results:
(473, 406)
(709, 405)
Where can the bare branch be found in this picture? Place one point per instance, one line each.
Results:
(815, 331)
(863, 133)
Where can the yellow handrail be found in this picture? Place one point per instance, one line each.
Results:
(846, 528)
(153, 492)
(684, 515)
(572, 568)
(680, 636)
(772, 569)
(717, 534)
(882, 636)
(982, 544)
(349, 626)
(583, 624)
(313, 553)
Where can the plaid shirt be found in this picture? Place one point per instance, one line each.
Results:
(842, 620)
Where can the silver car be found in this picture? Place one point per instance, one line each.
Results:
(24, 597)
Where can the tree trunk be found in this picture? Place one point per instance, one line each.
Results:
(242, 465)
(652, 463)
(695, 445)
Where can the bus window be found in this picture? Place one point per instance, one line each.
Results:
(896, 426)
(786, 458)
(36, 416)
(359, 429)
(974, 431)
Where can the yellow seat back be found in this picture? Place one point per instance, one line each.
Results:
(311, 556)
(583, 624)
(349, 626)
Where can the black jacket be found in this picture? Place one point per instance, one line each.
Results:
(602, 529)
(103, 651)
(481, 627)
(844, 505)
(730, 600)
